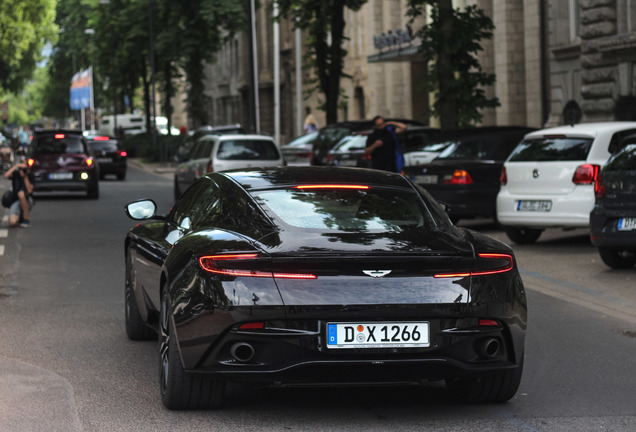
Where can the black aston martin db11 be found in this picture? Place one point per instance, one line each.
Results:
(320, 275)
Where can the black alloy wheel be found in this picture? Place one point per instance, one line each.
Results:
(490, 387)
(181, 390)
(136, 328)
(616, 258)
(523, 235)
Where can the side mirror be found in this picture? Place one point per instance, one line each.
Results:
(142, 209)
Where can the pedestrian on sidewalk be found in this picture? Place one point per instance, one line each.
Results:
(22, 186)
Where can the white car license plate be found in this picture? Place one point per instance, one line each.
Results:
(426, 179)
(347, 162)
(378, 335)
(104, 160)
(537, 206)
(626, 224)
(61, 176)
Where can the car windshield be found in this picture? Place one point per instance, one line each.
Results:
(59, 143)
(437, 146)
(350, 143)
(551, 149)
(625, 160)
(336, 209)
(247, 150)
(304, 139)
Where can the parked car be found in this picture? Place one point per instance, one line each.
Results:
(60, 160)
(108, 155)
(298, 151)
(225, 152)
(319, 275)
(613, 218)
(548, 180)
(329, 136)
(183, 152)
(465, 175)
(349, 151)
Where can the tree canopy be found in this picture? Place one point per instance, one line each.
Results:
(324, 24)
(451, 38)
(25, 26)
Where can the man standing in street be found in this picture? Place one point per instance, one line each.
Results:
(22, 186)
(381, 144)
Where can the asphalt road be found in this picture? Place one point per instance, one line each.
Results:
(66, 364)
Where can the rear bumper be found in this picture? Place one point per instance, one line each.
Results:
(604, 229)
(467, 201)
(568, 211)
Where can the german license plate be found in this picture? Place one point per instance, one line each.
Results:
(378, 335)
(626, 224)
(104, 160)
(61, 176)
(347, 162)
(537, 206)
(426, 179)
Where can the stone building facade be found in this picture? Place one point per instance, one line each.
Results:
(592, 49)
(384, 66)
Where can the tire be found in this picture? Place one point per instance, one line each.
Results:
(181, 390)
(617, 259)
(93, 191)
(136, 328)
(121, 176)
(523, 235)
(492, 387)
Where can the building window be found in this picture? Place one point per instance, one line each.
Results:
(360, 102)
(575, 20)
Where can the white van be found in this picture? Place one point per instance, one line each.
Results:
(130, 123)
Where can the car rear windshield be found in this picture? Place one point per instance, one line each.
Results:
(247, 150)
(59, 143)
(625, 160)
(335, 209)
(110, 145)
(552, 149)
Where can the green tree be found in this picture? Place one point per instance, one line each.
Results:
(203, 27)
(25, 107)
(70, 54)
(324, 24)
(451, 39)
(25, 26)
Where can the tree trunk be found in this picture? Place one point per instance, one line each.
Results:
(446, 75)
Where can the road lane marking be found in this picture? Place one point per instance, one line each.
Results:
(1, 249)
(4, 233)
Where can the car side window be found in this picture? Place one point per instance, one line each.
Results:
(182, 214)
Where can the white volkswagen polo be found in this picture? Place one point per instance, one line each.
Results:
(548, 180)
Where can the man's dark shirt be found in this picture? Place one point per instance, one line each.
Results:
(17, 182)
(383, 157)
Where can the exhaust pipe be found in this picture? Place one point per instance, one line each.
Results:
(242, 352)
(489, 348)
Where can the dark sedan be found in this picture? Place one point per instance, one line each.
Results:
(613, 219)
(320, 275)
(466, 175)
(110, 158)
(62, 161)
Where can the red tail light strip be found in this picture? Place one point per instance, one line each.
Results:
(207, 264)
(332, 186)
(504, 269)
